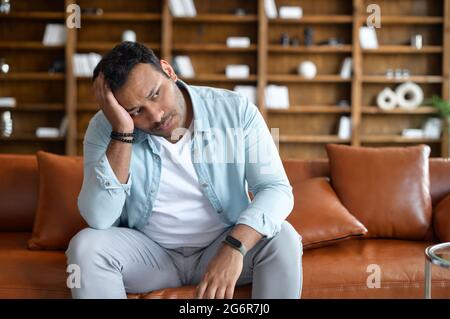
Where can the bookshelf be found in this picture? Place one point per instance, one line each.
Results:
(306, 126)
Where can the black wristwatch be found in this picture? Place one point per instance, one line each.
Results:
(236, 244)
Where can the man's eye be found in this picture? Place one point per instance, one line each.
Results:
(155, 96)
(137, 112)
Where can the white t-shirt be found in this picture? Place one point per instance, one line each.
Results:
(182, 216)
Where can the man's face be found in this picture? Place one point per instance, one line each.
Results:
(154, 101)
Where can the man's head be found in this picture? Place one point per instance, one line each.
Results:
(145, 86)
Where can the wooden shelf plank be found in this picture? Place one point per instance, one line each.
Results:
(414, 78)
(31, 138)
(419, 111)
(218, 78)
(276, 48)
(319, 19)
(88, 107)
(214, 18)
(297, 78)
(109, 45)
(32, 45)
(397, 139)
(310, 109)
(312, 139)
(33, 15)
(211, 48)
(407, 19)
(36, 107)
(32, 76)
(389, 49)
(122, 17)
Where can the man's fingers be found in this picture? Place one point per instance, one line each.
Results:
(229, 292)
(201, 290)
(220, 292)
(210, 292)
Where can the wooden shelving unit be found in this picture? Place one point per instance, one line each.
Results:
(312, 119)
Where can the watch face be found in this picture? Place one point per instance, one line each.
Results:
(234, 241)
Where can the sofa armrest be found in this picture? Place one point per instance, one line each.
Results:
(441, 219)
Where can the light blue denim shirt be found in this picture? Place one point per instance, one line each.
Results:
(232, 150)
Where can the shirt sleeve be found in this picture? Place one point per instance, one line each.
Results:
(273, 200)
(102, 196)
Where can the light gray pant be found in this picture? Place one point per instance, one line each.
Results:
(119, 260)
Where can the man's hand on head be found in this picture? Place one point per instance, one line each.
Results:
(117, 116)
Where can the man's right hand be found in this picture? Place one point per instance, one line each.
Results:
(117, 116)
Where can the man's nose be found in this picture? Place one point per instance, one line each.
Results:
(155, 115)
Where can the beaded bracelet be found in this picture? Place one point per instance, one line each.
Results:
(118, 134)
(125, 140)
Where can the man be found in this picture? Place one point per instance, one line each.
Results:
(165, 206)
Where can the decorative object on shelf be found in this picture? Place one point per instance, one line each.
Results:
(276, 96)
(412, 133)
(238, 42)
(343, 103)
(92, 11)
(387, 99)
(291, 12)
(368, 38)
(332, 42)
(432, 128)
(295, 42)
(182, 8)
(129, 35)
(184, 66)
(270, 8)
(55, 34)
(443, 106)
(237, 71)
(345, 127)
(406, 74)
(63, 126)
(4, 67)
(284, 39)
(58, 66)
(309, 36)
(7, 102)
(5, 6)
(417, 41)
(6, 124)
(248, 91)
(240, 12)
(346, 68)
(84, 64)
(307, 69)
(390, 73)
(409, 95)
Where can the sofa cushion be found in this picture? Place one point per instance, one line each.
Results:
(387, 189)
(319, 216)
(57, 217)
(441, 220)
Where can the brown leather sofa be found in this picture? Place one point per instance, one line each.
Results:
(335, 271)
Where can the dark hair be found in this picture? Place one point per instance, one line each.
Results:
(117, 64)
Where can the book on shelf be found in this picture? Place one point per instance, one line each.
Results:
(182, 8)
(54, 34)
(184, 66)
(237, 71)
(238, 42)
(346, 69)
(291, 12)
(270, 8)
(368, 38)
(8, 102)
(47, 132)
(85, 63)
(276, 96)
(249, 91)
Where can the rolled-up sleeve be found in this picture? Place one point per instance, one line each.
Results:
(273, 200)
(102, 196)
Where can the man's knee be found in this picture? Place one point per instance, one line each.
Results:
(288, 242)
(86, 244)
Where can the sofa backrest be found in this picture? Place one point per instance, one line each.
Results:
(19, 185)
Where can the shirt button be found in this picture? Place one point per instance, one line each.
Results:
(107, 183)
(152, 191)
(102, 161)
(204, 184)
(220, 211)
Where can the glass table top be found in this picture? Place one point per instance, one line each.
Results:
(439, 254)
